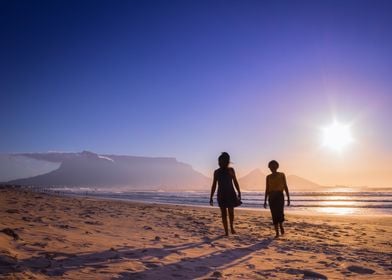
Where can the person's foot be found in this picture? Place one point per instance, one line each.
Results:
(233, 231)
(277, 236)
(226, 233)
(282, 230)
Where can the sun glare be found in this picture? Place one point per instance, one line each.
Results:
(337, 210)
(337, 136)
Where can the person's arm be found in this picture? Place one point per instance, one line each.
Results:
(213, 188)
(237, 186)
(286, 189)
(266, 192)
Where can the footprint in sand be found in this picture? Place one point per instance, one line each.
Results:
(360, 269)
(39, 244)
(152, 265)
(307, 274)
(217, 274)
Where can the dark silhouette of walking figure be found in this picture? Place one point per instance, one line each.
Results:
(275, 185)
(224, 176)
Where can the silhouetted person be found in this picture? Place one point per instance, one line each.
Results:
(227, 197)
(275, 185)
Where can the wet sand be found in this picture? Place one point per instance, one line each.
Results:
(53, 237)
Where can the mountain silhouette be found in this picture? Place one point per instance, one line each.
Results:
(93, 170)
(255, 181)
(297, 183)
(88, 169)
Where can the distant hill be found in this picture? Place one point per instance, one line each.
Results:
(93, 170)
(297, 183)
(255, 181)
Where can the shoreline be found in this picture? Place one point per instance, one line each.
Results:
(290, 209)
(63, 237)
(296, 213)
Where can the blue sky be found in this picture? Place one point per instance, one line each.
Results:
(190, 79)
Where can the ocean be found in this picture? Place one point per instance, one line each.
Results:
(339, 203)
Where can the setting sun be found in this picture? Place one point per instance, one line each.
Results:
(337, 136)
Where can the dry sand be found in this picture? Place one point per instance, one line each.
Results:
(80, 238)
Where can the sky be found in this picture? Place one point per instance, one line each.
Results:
(191, 79)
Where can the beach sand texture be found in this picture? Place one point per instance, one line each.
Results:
(52, 237)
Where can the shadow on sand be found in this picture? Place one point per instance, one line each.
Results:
(57, 263)
(191, 268)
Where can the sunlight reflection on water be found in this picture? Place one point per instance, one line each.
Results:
(337, 210)
(343, 203)
(346, 206)
(338, 203)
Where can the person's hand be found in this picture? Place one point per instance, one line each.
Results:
(265, 205)
(211, 202)
(288, 202)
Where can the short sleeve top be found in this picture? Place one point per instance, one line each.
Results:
(276, 182)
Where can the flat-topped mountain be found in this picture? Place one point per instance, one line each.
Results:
(94, 170)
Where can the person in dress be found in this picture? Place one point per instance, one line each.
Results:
(275, 185)
(224, 177)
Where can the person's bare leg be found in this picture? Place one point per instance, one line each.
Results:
(276, 230)
(231, 218)
(281, 228)
(224, 220)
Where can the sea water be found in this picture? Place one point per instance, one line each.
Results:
(339, 203)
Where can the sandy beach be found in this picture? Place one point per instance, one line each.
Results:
(52, 237)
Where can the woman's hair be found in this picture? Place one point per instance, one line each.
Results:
(224, 160)
(273, 164)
